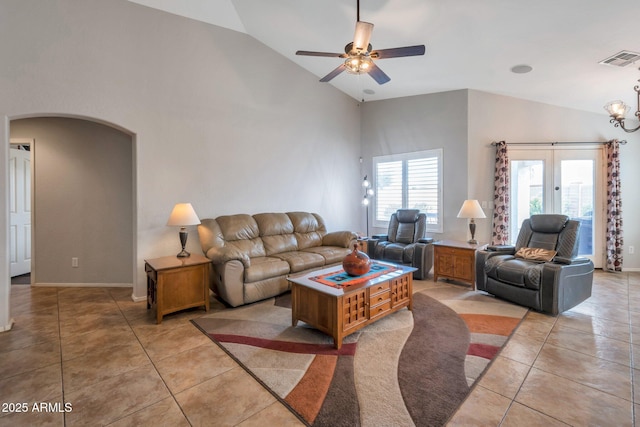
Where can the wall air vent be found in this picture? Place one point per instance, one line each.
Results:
(621, 59)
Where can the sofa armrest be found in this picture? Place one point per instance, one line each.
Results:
(343, 239)
(220, 255)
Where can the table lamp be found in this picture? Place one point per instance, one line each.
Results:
(471, 209)
(182, 216)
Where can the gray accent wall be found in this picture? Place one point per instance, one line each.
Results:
(418, 123)
(83, 198)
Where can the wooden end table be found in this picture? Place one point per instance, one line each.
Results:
(175, 284)
(455, 260)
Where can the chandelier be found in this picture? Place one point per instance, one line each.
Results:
(618, 109)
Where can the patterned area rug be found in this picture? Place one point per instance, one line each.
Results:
(409, 368)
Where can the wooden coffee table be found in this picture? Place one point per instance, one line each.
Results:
(341, 311)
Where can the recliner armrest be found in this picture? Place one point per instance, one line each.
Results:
(381, 237)
(569, 261)
(507, 249)
(426, 240)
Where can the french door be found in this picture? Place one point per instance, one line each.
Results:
(563, 181)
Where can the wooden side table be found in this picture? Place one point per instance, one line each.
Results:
(455, 260)
(175, 284)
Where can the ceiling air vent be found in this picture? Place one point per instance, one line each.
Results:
(621, 59)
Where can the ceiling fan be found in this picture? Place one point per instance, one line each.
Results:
(359, 54)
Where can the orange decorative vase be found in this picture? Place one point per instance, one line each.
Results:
(356, 263)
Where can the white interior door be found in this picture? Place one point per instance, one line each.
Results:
(563, 181)
(20, 211)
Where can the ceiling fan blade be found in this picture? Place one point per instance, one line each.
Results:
(328, 54)
(362, 36)
(334, 73)
(378, 75)
(398, 52)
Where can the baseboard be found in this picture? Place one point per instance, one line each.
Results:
(630, 269)
(83, 285)
(138, 299)
(7, 327)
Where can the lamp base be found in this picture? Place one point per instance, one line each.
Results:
(183, 242)
(183, 254)
(472, 229)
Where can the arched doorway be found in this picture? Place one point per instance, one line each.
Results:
(84, 208)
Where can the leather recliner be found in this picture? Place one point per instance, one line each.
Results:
(405, 242)
(548, 286)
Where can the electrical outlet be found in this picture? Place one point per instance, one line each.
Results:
(74, 262)
(632, 250)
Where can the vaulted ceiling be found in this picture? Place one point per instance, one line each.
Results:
(470, 44)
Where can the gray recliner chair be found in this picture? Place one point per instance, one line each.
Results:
(553, 286)
(405, 243)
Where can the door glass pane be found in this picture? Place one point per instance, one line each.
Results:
(527, 192)
(577, 198)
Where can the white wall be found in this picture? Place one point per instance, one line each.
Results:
(83, 198)
(495, 118)
(218, 119)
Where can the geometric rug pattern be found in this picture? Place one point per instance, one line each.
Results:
(409, 368)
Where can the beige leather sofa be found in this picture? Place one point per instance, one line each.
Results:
(252, 255)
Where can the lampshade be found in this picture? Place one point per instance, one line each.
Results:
(471, 209)
(183, 215)
(617, 109)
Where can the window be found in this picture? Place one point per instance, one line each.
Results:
(409, 181)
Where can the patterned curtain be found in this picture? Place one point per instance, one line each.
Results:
(614, 208)
(501, 196)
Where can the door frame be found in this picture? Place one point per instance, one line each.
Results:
(31, 142)
(547, 154)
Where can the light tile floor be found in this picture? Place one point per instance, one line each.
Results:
(101, 354)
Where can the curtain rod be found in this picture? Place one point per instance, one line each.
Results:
(623, 142)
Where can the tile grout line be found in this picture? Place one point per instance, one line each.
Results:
(154, 367)
(527, 375)
(64, 414)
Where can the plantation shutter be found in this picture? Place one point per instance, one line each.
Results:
(422, 187)
(409, 181)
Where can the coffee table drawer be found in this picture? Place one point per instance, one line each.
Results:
(380, 298)
(379, 310)
(380, 287)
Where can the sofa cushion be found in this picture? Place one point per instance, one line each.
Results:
(242, 233)
(390, 251)
(301, 260)
(331, 254)
(405, 232)
(548, 223)
(514, 271)
(265, 268)
(309, 229)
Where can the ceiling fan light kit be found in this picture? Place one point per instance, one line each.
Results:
(618, 110)
(359, 54)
